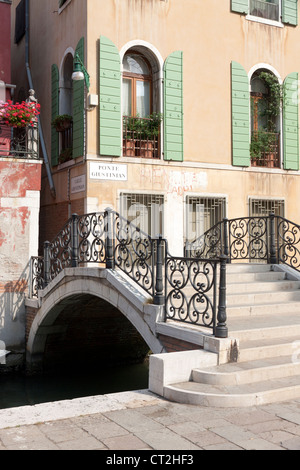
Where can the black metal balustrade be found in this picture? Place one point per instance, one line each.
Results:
(20, 142)
(185, 286)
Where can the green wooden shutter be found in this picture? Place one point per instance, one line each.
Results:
(290, 12)
(78, 108)
(240, 97)
(240, 6)
(110, 99)
(173, 107)
(54, 113)
(291, 123)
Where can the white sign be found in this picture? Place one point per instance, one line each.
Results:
(108, 171)
(78, 184)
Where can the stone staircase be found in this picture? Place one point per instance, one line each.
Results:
(263, 310)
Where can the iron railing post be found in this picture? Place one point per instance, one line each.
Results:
(226, 239)
(273, 253)
(159, 285)
(221, 328)
(109, 248)
(74, 246)
(47, 263)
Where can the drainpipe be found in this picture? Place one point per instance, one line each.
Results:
(42, 140)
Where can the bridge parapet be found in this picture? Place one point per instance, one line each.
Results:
(186, 287)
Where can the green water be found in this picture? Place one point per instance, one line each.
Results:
(19, 390)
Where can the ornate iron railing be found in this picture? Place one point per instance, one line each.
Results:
(270, 239)
(20, 142)
(185, 286)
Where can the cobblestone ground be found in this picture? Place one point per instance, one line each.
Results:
(156, 424)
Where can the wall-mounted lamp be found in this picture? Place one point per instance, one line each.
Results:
(80, 72)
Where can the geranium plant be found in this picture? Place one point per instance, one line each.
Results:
(20, 114)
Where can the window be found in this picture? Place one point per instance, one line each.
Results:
(267, 9)
(137, 84)
(145, 211)
(141, 127)
(202, 214)
(20, 22)
(265, 120)
(272, 12)
(266, 207)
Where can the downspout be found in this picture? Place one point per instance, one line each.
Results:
(42, 140)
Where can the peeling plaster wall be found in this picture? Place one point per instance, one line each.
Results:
(19, 218)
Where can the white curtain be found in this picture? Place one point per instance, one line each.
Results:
(142, 98)
(126, 97)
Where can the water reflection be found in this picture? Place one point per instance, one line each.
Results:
(18, 390)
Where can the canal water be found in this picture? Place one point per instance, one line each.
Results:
(20, 390)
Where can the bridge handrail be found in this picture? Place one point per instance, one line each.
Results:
(108, 239)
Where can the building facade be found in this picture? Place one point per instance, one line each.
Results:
(189, 112)
(20, 185)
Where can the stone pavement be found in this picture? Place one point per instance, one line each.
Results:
(142, 421)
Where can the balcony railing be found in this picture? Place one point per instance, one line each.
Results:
(20, 142)
(265, 149)
(141, 137)
(264, 9)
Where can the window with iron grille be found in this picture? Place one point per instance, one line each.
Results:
(265, 207)
(202, 214)
(146, 211)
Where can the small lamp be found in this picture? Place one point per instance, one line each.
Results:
(80, 72)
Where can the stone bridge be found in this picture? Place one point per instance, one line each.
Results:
(87, 315)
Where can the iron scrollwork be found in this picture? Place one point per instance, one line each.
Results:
(191, 291)
(288, 235)
(133, 252)
(92, 232)
(60, 250)
(248, 238)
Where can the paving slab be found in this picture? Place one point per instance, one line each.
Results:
(142, 421)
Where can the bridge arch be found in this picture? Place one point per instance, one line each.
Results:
(78, 290)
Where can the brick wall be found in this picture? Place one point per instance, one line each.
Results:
(175, 345)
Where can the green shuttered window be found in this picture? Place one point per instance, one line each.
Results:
(290, 123)
(241, 119)
(240, 115)
(289, 9)
(173, 107)
(54, 113)
(110, 99)
(78, 108)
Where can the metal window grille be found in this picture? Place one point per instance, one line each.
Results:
(202, 214)
(266, 207)
(145, 211)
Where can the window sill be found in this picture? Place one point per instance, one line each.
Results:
(257, 19)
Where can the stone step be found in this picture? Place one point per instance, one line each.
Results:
(268, 347)
(262, 298)
(250, 372)
(262, 286)
(263, 309)
(268, 276)
(244, 395)
(264, 327)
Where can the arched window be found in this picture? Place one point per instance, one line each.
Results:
(137, 86)
(265, 119)
(140, 104)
